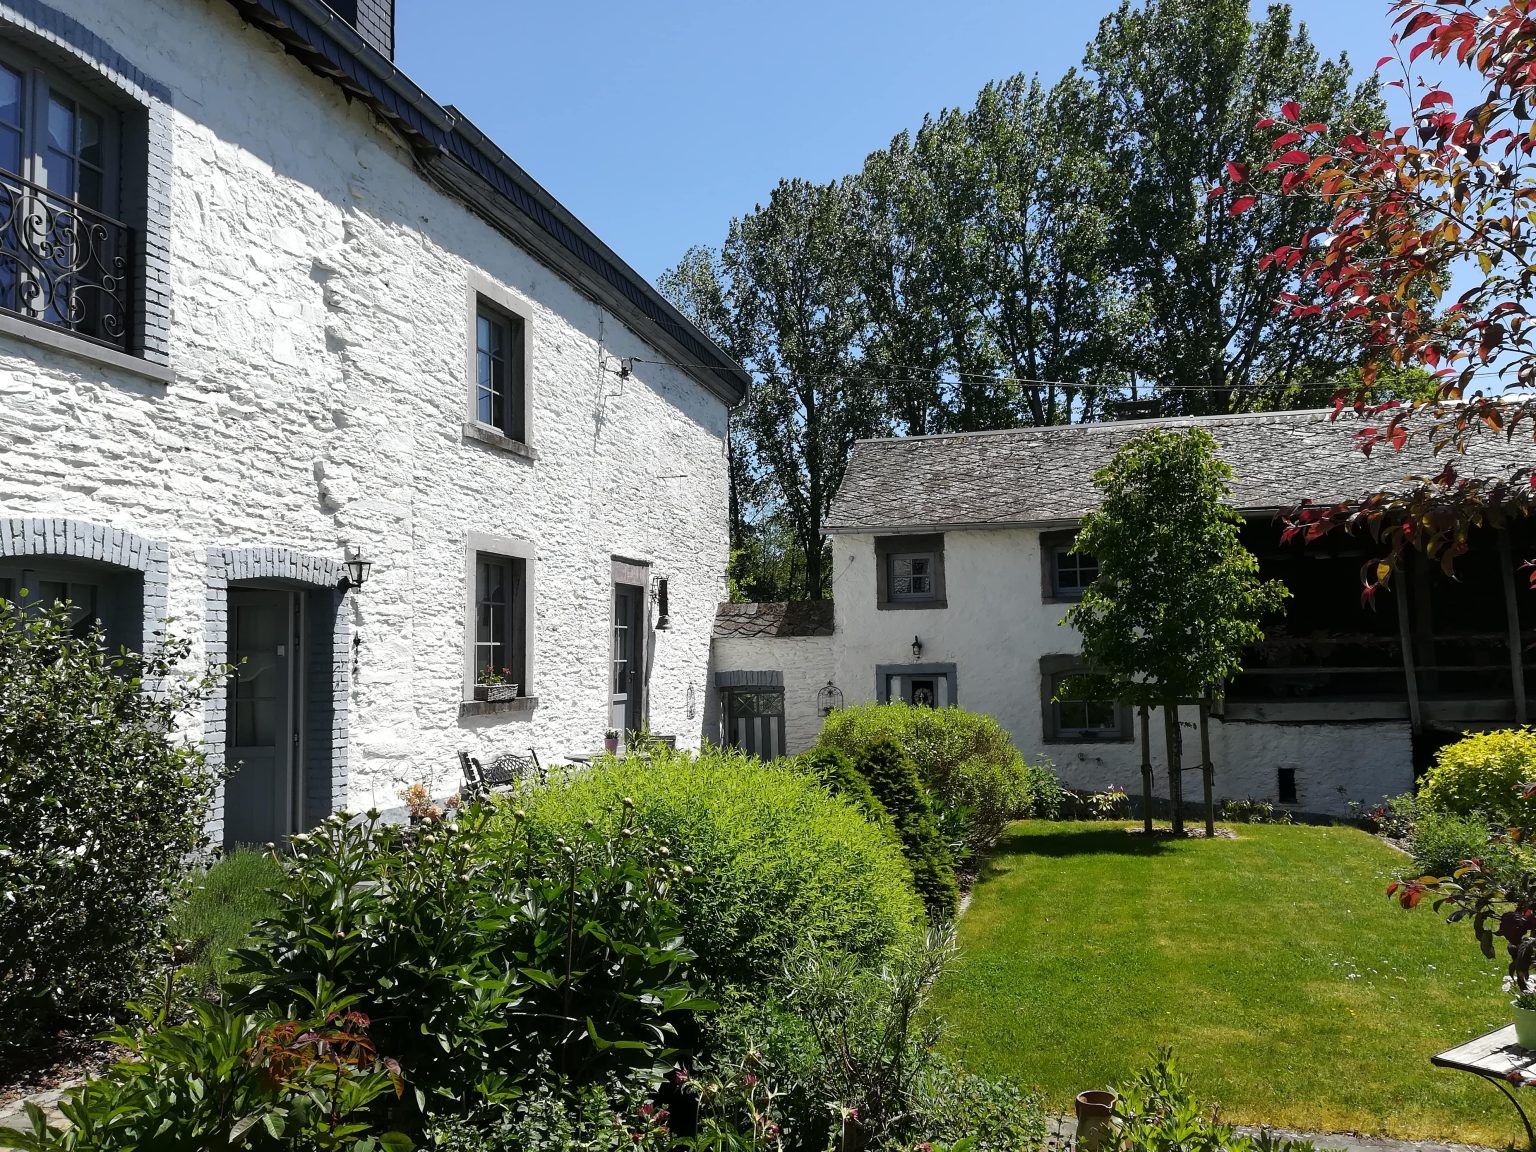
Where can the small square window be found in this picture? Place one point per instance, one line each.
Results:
(1285, 785)
(1064, 574)
(912, 576)
(499, 384)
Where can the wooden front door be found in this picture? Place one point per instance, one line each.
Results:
(626, 703)
(265, 714)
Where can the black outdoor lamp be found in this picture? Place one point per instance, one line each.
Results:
(663, 617)
(917, 648)
(358, 569)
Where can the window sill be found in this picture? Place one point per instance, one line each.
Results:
(59, 340)
(523, 705)
(910, 605)
(485, 434)
(1057, 598)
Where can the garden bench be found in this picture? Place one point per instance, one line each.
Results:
(1498, 1059)
(502, 772)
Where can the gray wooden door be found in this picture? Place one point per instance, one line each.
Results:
(264, 746)
(754, 721)
(625, 702)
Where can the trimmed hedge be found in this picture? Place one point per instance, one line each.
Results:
(966, 760)
(893, 778)
(778, 860)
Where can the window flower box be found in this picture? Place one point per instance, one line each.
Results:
(496, 692)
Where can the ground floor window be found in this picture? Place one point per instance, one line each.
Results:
(1077, 719)
(92, 592)
(923, 685)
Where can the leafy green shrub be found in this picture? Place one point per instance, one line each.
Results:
(1251, 811)
(592, 1118)
(1442, 840)
(475, 953)
(966, 760)
(951, 1105)
(227, 1080)
(215, 915)
(893, 778)
(838, 775)
(1483, 772)
(1158, 1112)
(1394, 817)
(100, 810)
(776, 860)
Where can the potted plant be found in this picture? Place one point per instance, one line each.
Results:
(611, 740)
(494, 685)
(1524, 1006)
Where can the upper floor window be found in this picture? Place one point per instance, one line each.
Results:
(1065, 573)
(64, 255)
(910, 571)
(499, 371)
(500, 366)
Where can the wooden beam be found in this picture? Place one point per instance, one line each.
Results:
(1206, 769)
(1512, 617)
(1405, 634)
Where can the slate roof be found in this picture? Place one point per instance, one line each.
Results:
(798, 618)
(1044, 476)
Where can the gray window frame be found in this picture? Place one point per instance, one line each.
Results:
(944, 671)
(1054, 545)
(1052, 669)
(515, 436)
(521, 553)
(889, 549)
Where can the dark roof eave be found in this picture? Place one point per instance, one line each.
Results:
(463, 161)
(1045, 525)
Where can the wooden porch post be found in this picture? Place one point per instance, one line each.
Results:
(1405, 635)
(1146, 773)
(1512, 615)
(1206, 769)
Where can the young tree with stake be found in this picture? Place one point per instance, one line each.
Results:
(1177, 598)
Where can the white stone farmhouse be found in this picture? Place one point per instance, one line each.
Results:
(266, 307)
(952, 572)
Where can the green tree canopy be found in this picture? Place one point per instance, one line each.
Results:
(1177, 598)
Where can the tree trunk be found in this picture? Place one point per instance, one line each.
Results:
(1175, 764)
(1146, 772)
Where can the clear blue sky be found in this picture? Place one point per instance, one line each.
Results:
(657, 123)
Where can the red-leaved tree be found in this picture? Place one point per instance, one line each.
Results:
(1453, 191)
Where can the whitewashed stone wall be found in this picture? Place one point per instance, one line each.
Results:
(805, 661)
(319, 342)
(995, 630)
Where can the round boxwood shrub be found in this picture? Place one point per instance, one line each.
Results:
(1483, 773)
(777, 860)
(966, 760)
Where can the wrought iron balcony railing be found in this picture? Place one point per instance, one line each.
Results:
(63, 264)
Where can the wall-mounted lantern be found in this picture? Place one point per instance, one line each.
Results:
(659, 594)
(358, 569)
(917, 648)
(829, 699)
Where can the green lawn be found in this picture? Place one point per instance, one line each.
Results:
(1292, 990)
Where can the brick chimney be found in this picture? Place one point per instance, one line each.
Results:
(373, 19)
